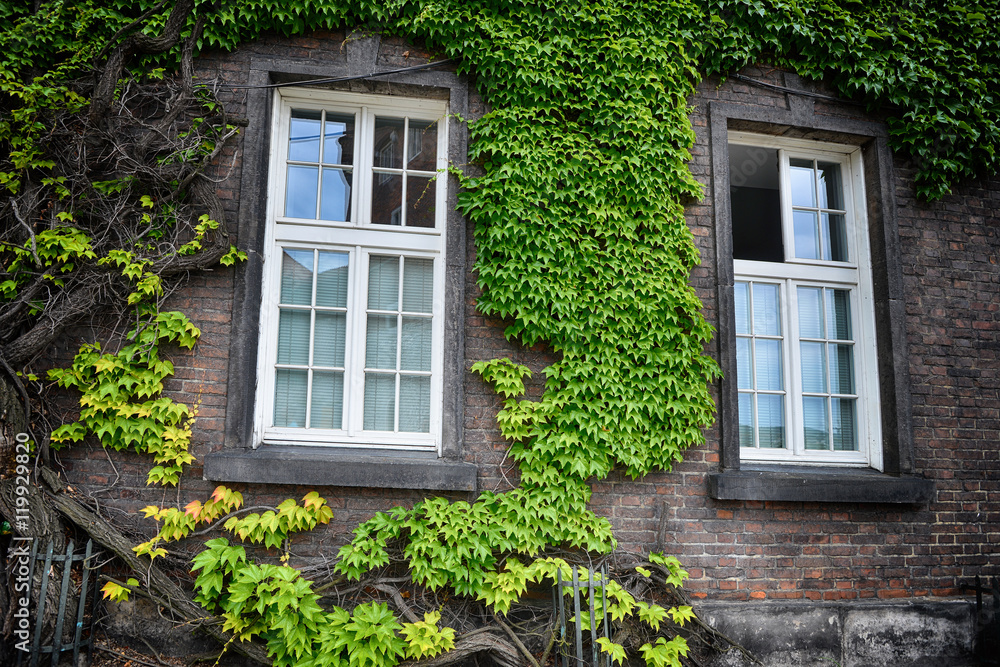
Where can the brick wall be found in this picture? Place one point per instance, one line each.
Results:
(733, 550)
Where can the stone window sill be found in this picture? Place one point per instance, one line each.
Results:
(817, 484)
(315, 466)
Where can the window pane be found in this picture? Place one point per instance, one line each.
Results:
(744, 372)
(300, 194)
(415, 347)
(803, 186)
(383, 282)
(418, 285)
(814, 420)
(331, 281)
(290, 398)
(331, 334)
(414, 404)
(771, 421)
(746, 420)
(741, 294)
(842, 369)
(387, 199)
(768, 364)
(380, 402)
(336, 200)
(303, 136)
(838, 314)
(810, 312)
(420, 201)
(380, 343)
(338, 142)
(421, 148)
(806, 235)
(296, 277)
(831, 191)
(835, 236)
(845, 437)
(293, 337)
(755, 203)
(388, 149)
(813, 367)
(766, 314)
(327, 401)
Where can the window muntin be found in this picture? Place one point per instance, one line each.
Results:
(806, 384)
(353, 307)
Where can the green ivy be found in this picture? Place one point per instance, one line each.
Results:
(582, 246)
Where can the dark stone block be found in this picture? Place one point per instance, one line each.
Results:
(311, 466)
(809, 484)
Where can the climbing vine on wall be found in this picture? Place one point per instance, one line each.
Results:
(577, 201)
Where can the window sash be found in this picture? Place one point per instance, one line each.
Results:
(360, 240)
(853, 275)
(792, 390)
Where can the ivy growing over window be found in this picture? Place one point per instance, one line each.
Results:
(580, 233)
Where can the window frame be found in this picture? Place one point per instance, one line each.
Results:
(855, 274)
(360, 239)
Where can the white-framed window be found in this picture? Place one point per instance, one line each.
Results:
(352, 312)
(807, 379)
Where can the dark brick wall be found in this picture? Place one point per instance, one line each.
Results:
(733, 550)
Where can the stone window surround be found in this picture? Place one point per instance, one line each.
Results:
(239, 461)
(737, 480)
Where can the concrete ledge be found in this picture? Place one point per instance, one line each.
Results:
(809, 484)
(313, 466)
(926, 633)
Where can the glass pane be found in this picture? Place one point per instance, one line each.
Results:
(380, 401)
(835, 236)
(418, 285)
(293, 337)
(336, 200)
(387, 199)
(806, 235)
(845, 434)
(296, 277)
(755, 202)
(831, 191)
(331, 333)
(814, 420)
(383, 282)
(842, 369)
(421, 147)
(303, 136)
(770, 421)
(744, 372)
(741, 294)
(814, 367)
(327, 401)
(838, 314)
(290, 388)
(388, 149)
(300, 192)
(380, 342)
(331, 281)
(420, 201)
(810, 312)
(338, 142)
(415, 346)
(768, 364)
(803, 185)
(414, 404)
(766, 315)
(746, 420)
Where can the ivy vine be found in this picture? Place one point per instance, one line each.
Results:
(580, 234)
